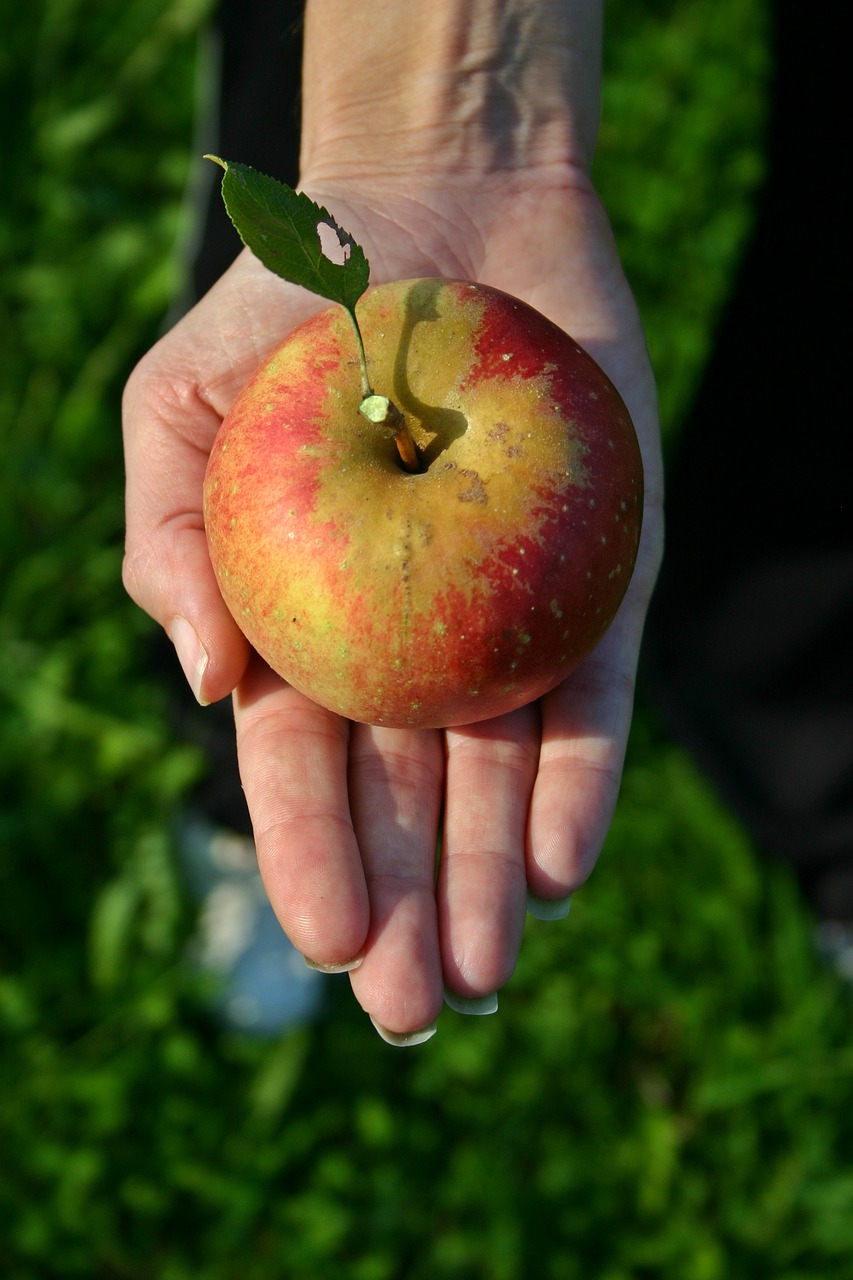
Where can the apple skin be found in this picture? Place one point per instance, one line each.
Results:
(439, 598)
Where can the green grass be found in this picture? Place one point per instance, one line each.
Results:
(665, 1092)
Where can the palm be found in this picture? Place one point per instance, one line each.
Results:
(347, 816)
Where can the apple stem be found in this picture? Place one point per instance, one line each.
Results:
(408, 450)
(406, 447)
(382, 411)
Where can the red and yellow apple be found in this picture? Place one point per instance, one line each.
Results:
(456, 593)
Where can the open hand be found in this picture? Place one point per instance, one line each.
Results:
(347, 817)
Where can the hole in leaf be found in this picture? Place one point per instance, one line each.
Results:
(335, 243)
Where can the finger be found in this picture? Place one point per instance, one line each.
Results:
(293, 763)
(396, 780)
(585, 724)
(491, 769)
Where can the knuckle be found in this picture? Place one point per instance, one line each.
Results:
(135, 575)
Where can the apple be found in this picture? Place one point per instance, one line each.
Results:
(449, 593)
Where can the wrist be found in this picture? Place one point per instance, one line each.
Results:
(461, 88)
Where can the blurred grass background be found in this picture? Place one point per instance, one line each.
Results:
(665, 1093)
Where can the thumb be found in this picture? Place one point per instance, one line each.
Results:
(169, 429)
(173, 406)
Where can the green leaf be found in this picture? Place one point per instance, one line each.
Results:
(282, 228)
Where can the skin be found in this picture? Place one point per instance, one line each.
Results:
(465, 153)
(454, 595)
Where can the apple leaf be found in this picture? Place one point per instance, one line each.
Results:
(292, 236)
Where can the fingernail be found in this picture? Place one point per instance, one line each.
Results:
(548, 908)
(191, 654)
(346, 966)
(403, 1039)
(474, 1006)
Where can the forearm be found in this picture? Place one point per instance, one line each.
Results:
(466, 88)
